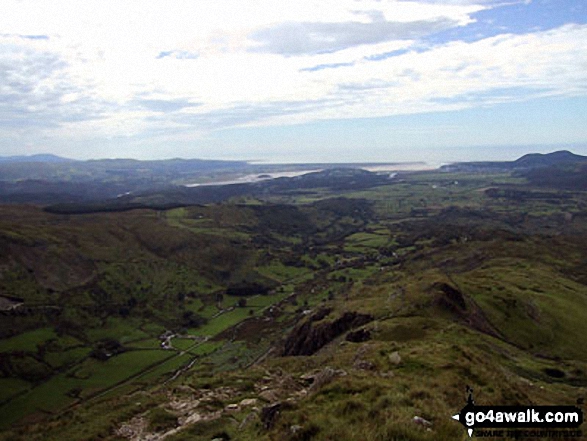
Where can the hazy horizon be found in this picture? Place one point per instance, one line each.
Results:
(457, 154)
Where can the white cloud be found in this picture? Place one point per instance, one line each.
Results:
(111, 68)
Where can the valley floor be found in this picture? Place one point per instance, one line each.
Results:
(324, 314)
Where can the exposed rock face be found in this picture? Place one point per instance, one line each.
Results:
(451, 298)
(463, 308)
(359, 336)
(269, 414)
(309, 337)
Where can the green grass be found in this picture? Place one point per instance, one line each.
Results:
(148, 343)
(368, 240)
(206, 348)
(169, 367)
(264, 301)
(48, 397)
(29, 341)
(222, 322)
(183, 344)
(208, 311)
(165, 369)
(228, 357)
(9, 387)
(123, 330)
(66, 358)
(532, 305)
(291, 240)
(161, 420)
(195, 305)
(280, 272)
(179, 218)
(97, 375)
(229, 301)
(352, 274)
(89, 377)
(17, 282)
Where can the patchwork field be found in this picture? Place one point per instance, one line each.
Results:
(347, 311)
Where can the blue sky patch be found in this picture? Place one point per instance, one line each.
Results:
(517, 18)
(386, 55)
(179, 55)
(326, 66)
(35, 37)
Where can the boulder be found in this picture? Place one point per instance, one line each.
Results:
(395, 358)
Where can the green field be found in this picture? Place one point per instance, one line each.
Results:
(281, 272)
(9, 387)
(83, 381)
(29, 341)
(222, 322)
(123, 330)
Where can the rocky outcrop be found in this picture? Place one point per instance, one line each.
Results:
(269, 414)
(463, 308)
(318, 379)
(449, 298)
(359, 336)
(310, 336)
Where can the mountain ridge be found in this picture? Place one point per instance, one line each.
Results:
(40, 157)
(528, 161)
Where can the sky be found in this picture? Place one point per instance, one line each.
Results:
(303, 81)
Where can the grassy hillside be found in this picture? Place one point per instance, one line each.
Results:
(332, 314)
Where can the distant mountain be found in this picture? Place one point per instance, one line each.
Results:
(146, 173)
(554, 158)
(526, 162)
(35, 158)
